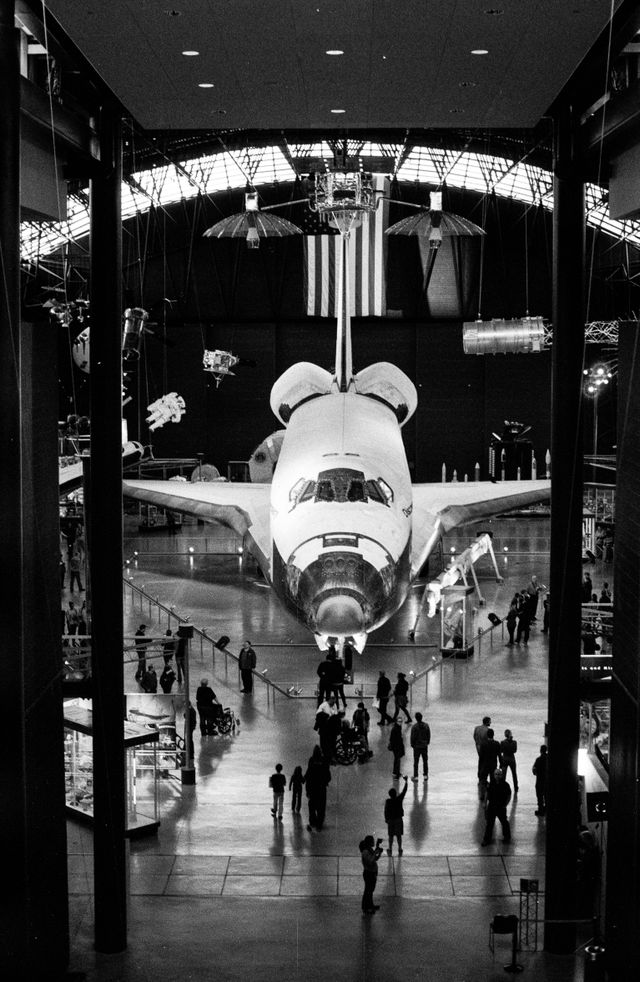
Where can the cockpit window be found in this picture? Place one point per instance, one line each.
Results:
(325, 491)
(308, 491)
(341, 484)
(374, 492)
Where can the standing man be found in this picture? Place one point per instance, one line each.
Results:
(75, 564)
(247, 662)
(540, 770)
(324, 669)
(420, 740)
(488, 761)
(534, 590)
(205, 698)
(498, 797)
(316, 779)
(382, 695)
(480, 732)
(181, 654)
(141, 643)
(370, 852)
(323, 724)
(401, 697)
(336, 680)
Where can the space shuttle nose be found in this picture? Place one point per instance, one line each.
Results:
(340, 615)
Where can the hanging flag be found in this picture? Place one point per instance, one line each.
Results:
(367, 262)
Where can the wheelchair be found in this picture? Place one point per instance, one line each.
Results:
(226, 721)
(350, 746)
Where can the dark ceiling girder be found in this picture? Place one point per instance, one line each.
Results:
(615, 125)
(60, 46)
(589, 82)
(71, 132)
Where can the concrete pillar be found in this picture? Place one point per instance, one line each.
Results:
(104, 539)
(566, 540)
(35, 930)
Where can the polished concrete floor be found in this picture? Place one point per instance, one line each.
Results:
(224, 891)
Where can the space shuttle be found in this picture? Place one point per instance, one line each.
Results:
(341, 532)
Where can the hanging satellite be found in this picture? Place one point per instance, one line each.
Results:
(67, 313)
(135, 321)
(81, 352)
(433, 224)
(219, 363)
(252, 224)
(167, 409)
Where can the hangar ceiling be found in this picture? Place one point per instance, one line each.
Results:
(268, 64)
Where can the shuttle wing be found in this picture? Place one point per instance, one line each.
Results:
(440, 507)
(242, 507)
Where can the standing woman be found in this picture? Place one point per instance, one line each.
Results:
(396, 746)
(370, 853)
(508, 750)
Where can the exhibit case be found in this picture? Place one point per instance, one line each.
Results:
(140, 749)
(456, 621)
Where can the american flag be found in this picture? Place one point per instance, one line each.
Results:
(367, 262)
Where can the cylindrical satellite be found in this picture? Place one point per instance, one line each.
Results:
(524, 335)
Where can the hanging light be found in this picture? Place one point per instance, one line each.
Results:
(598, 376)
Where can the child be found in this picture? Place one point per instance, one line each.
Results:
(277, 783)
(295, 787)
(361, 725)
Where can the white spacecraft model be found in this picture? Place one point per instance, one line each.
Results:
(340, 532)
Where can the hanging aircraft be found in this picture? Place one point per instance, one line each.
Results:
(341, 532)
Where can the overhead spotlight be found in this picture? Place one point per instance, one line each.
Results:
(135, 552)
(505, 549)
(191, 550)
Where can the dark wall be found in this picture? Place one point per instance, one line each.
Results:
(623, 854)
(462, 398)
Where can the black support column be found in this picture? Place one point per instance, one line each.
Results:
(34, 908)
(623, 839)
(105, 541)
(566, 540)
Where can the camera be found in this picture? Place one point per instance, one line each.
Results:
(379, 842)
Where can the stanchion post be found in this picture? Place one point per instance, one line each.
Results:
(188, 772)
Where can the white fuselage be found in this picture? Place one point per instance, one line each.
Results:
(341, 514)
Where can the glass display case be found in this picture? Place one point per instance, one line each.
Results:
(594, 728)
(140, 748)
(456, 622)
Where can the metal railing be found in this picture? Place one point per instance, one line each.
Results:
(207, 644)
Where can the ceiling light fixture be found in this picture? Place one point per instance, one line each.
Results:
(480, 51)
(338, 111)
(205, 85)
(190, 54)
(334, 51)
(467, 85)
